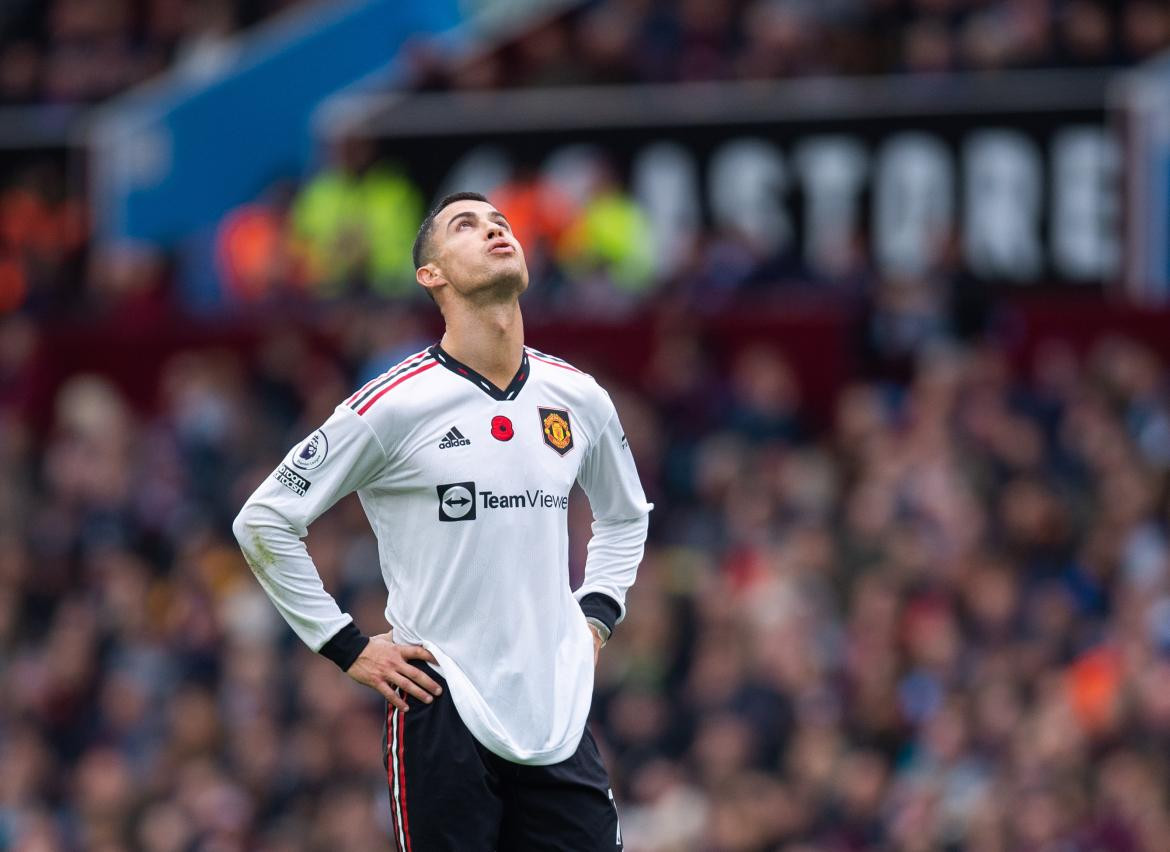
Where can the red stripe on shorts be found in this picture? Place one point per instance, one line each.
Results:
(402, 779)
(391, 760)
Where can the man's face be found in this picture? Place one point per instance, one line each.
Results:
(476, 252)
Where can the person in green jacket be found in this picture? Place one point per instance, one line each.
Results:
(354, 224)
(611, 233)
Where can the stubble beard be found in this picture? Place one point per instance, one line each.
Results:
(501, 286)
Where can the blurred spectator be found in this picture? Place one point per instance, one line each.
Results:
(253, 250)
(355, 223)
(781, 40)
(1086, 34)
(205, 45)
(1145, 28)
(609, 249)
(607, 48)
(20, 73)
(539, 214)
(130, 280)
(43, 236)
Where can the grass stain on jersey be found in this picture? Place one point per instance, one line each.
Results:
(264, 560)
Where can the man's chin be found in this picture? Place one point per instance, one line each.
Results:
(512, 271)
(505, 283)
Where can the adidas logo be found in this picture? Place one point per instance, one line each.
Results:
(453, 438)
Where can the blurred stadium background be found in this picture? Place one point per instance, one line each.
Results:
(882, 290)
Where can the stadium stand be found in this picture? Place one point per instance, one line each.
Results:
(82, 51)
(638, 41)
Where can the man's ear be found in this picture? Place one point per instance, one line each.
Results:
(430, 278)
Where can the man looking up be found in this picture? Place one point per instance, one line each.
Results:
(463, 456)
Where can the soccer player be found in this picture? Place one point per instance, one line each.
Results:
(463, 456)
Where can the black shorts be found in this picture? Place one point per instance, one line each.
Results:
(448, 792)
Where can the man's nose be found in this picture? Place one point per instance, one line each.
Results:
(494, 231)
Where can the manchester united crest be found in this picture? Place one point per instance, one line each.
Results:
(558, 434)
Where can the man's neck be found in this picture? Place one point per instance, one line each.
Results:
(487, 338)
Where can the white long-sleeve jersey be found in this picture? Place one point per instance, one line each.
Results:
(466, 487)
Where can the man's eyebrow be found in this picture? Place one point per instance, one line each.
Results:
(466, 214)
(496, 214)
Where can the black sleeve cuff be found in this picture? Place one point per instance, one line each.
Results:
(345, 646)
(602, 607)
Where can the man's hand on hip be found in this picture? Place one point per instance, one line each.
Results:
(384, 666)
(597, 643)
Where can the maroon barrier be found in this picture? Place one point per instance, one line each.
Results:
(814, 339)
(820, 342)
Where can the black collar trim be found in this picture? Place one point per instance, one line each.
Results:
(460, 369)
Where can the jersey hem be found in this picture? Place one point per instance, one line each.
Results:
(474, 722)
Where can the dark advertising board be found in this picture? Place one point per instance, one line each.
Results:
(1019, 178)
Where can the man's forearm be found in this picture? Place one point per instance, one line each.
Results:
(284, 569)
(615, 551)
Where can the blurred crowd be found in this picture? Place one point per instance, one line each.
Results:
(937, 618)
(346, 229)
(344, 234)
(348, 232)
(79, 52)
(655, 41)
(940, 623)
(83, 51)
(934, 617)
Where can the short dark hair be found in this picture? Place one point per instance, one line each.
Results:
(421, 251)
